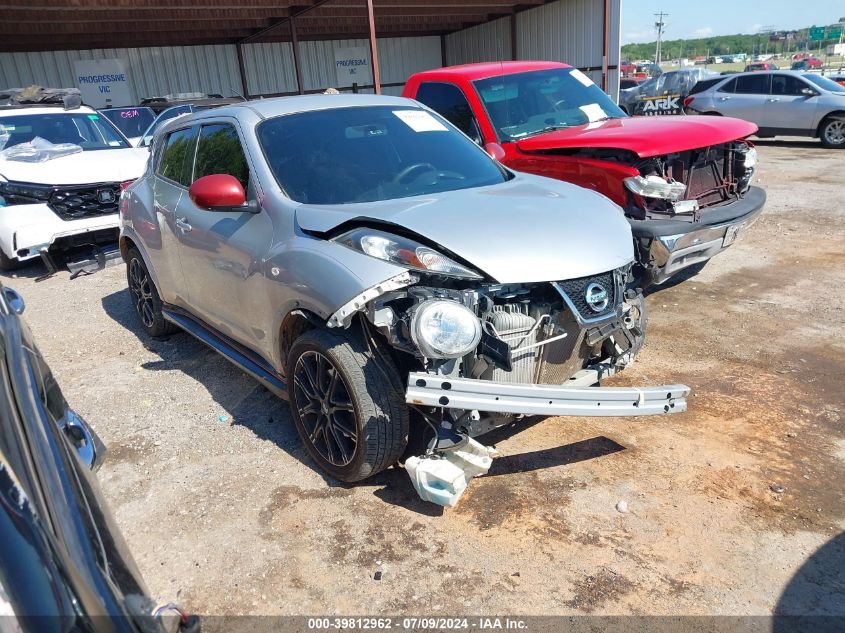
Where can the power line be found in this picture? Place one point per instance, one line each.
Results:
(659, 25)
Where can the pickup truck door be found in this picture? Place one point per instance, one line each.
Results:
(787, 108)
(449, 101)
(743, 97)
(222, 252)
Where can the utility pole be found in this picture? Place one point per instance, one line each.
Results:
(659, 25)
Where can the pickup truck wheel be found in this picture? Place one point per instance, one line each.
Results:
(145, 297)
(832, 133)
(347, 403)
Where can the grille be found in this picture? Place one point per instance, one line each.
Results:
(576, 290)
(75, 203)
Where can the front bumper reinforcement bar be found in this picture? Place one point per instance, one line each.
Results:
(484, 395)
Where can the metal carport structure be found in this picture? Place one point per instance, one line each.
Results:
(278, 47)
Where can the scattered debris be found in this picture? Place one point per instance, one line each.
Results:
(377, 575)
(442, 477)
(792, 434)
(777, 488)
(223, 418)
(622, 506)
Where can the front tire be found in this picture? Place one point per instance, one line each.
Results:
(145, 297)
(832, 133)
(347, 403)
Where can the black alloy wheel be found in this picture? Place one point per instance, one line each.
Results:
(142, 296)
(325, 408)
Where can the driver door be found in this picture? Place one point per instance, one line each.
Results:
(222, 252)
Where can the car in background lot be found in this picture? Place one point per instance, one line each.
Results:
(160, 104)
(130, 121)
(808, 63)
(62, 168)
(357, 255)
(627, 67)
(684, 183)
(178, 110)
(63, 563)
(758, 66)
(664, 94)
(782, 103)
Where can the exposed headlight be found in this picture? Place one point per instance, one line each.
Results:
(656, 187)
(13, 193)
(402, 251)
(445, 329)
(750, 159)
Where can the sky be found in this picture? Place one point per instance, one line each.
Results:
(702, 18)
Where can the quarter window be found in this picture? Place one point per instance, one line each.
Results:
(220, 152)
(728, 87)
(177, 157)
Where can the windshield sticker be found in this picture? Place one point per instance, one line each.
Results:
(420, 121)
(93, 117)
(582, 77)
(593, 111)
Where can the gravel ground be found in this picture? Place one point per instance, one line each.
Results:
(729, 503)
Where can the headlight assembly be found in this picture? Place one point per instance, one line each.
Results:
(445, 329)
(404, 252)
(656, 187)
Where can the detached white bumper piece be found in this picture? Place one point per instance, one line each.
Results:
(484, 395)
(442, 478)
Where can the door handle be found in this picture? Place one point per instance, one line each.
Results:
(772, 100)
(724, 98)
(182, 223)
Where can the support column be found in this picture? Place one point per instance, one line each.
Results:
(374, 48)
(294, 44)
(244, 86)
(513, 36)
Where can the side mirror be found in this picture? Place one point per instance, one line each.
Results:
(220, 192)
(496, 151)
(808, 92)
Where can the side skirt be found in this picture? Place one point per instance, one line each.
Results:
(243, 358)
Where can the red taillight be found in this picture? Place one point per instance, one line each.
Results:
(688, 100)
(125, 184)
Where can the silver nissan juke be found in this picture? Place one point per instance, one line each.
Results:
(364, 259)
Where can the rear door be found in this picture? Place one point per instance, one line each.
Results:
(743, 97)
(174, 156)
(222, 252)
(786, 108)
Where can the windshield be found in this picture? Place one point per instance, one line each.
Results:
(130, 121)
(366, 154)
(89, 131)
(524, 104)
(825, 83)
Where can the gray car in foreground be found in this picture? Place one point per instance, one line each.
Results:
(364, 259)
(781, 103)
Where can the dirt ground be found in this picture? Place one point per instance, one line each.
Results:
(730, 503)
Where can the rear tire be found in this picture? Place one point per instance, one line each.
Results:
(832, 132)
(347, 403)
(8, 263)
(145, 297)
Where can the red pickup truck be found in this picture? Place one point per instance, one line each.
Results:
(684, 183)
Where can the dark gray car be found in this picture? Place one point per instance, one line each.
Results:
(363, 258)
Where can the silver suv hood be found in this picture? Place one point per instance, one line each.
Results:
(530, 229)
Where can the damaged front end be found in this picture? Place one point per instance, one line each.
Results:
(479, 354)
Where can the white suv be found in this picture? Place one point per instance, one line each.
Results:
(53, 205)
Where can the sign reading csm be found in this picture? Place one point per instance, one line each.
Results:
(103, 82)
(352, 65)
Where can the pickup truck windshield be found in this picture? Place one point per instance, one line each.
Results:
(525, 104)
(89, 131)
(371, 153)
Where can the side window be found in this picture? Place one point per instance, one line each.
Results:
(177, 156)
(448, 101)
(756, 84)
(787, 85)
(219, 151)
(729, 87)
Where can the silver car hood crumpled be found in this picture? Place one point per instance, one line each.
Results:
(527, 230)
